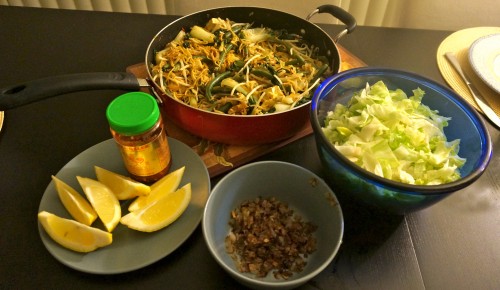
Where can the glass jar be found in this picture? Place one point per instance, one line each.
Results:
(136, 125)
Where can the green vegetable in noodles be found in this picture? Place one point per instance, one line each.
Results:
(257, 34)
(216, 80)
(202, 34)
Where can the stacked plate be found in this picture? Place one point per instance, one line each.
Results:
(478, 52)
(484, 56)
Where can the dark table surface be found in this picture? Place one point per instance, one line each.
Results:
(454, 244)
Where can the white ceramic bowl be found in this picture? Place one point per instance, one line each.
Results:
(307, 194)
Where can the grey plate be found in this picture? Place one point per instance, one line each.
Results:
(130, 249)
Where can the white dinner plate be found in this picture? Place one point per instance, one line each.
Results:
(130, 249)
(484, 57)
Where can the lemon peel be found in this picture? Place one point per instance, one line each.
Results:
(122, 186)
(73, 235)
(159, 213)
(103, 200)
(167, 184)
(77, 206)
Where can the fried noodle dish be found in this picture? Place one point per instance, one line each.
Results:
(234, 68)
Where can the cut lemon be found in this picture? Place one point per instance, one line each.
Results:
(122, 186)
(103, 201)
(162, 187)
(77, 206)
(161, 212)
(72, 234)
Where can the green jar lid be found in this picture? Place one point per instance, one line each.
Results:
(132, 113)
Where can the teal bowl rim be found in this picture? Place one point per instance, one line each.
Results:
(446, 188)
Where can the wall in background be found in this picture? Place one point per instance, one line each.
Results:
(366, 12)
(450, 14)
(420, 14)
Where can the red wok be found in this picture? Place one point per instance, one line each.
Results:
(222, 128)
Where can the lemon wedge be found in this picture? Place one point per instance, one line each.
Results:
(72, 234)
(77, 206)
(103, 200)
(159, 213)
(122, 186)
(162, 187)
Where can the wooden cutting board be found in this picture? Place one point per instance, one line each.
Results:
(220, 158)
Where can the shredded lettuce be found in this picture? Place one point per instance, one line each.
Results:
(394, 136)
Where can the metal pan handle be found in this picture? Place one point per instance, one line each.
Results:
(339, 13)
(37, 90)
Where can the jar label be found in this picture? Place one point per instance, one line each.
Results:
(147, 159)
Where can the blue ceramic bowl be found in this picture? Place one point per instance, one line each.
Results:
(351, 181)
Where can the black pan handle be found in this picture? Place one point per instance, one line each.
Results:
(339, 13)
(37, 90)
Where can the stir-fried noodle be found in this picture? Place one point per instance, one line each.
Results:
(233, 68)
